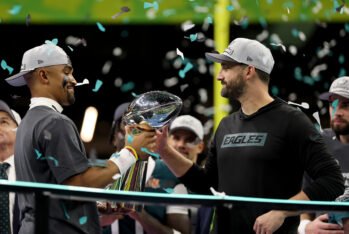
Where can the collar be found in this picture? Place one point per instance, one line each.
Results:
(42, 101)
(10, 160)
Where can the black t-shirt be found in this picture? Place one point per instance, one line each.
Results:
(265, 155)
(48, 150)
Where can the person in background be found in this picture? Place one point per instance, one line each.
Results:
(262, 150)
(48, 147)
(337, 141)
(9, 121)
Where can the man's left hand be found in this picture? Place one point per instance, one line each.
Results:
(269, 222)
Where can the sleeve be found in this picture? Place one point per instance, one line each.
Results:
(62, 149)
(178, 189)
(199, 180)
(327, 181)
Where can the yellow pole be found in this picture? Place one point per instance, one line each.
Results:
(221, 38)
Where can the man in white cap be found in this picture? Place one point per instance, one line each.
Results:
(48, 147)
(9, 121)
(337, 140)
(262, 150)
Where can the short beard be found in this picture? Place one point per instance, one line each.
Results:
(235, 89)
(71, 99)
(341, 130)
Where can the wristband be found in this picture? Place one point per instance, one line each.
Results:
(302, 225)
(123, 160)
(133, 151)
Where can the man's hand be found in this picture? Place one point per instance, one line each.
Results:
(142, 138)
(269, 222)
(321, 225)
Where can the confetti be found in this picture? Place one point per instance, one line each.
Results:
(100, 27)
(106, 67)
(83, 220)
(153, 5)
(179, 53)
(230, 8)
(4, 66)
(54, 41)
(128, 86)
(317, 118)
(183, 72)
(303, 104)
(38, 154)
(15, 9)
(145, 150)
(187, 25)
(129, 138)
(97, 85)
(168, 190)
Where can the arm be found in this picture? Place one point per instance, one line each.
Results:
(102, 176)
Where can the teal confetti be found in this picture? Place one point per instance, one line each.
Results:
(15, 9)
(209, 20)
(83, 220)
(97, 85)
(193, 37)
(341, 59)
(187, 67)
(145, 150)
(65, 211)
(230, 8)
(134, 94)
(342, 72)
(275, 90)
(244, 23)
(100, 27)
(155, 5)
(53, 42)
(6, 67)
(38, 154)
(334, 105)
(295, 32)
(346, 27)
(55, 161)
(129, 138)
(127, 87)
(168, 190)
(263, 22)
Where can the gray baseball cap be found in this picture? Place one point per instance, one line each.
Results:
(13, 114)
(40, 56)
(246, 51)
(339, 86)
(189, 123)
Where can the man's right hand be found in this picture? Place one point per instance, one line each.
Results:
(321, 225)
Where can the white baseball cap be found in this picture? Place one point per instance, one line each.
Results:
(13, 114)
(40, 56)
(246, 51)
(339, 86)
(190, 123)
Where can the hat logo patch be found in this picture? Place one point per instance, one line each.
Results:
(40, 61)
(229, 51)
(249, 59)
(23, 66)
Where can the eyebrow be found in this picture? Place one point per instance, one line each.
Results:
(68, 68)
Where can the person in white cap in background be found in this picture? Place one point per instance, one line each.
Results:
(262, 150)
(48, 147)
(337, 140)
(9, 121)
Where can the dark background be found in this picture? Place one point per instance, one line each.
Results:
(145, 62)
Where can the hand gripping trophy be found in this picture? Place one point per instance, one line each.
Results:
(148, 112)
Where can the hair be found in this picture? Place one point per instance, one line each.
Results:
(263, 76)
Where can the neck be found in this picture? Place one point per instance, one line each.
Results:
(5, 152)
(344, 139)
(253, 100)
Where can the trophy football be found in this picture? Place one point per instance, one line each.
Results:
(156, 109)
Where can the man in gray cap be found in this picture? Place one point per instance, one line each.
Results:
(49, 149)
(262, 150)
(9, 121)
(337, 140)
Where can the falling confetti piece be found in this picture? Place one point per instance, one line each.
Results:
(53, 42)
(281, 45)
(168, 190)
(179, 53)
(134, 94)
(145, 150)
(123, 9)
(55, 161)
(183, 87)
(100, 27)
(230, 8)
(83, 220)
(317, 118)
(15, 9)
(128, 86)
(116, 176)
(193, 37)
(187, 67)
(38, 154)
(155, 5)
(6, 67)
(71, 49)
(97, 85)
(65, 211)
(187, 25)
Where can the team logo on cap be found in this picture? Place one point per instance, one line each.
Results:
(229, 51)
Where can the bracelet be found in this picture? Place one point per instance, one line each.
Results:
(302, 225)
(132, 150)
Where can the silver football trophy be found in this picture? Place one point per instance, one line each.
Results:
(156, 109)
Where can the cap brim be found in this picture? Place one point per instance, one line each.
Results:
(4, 107)
(184, 128)
(219, 58)
(18, 79)
(325, 96)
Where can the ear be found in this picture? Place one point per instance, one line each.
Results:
(249, 72)
(201, 147)
(42, 76)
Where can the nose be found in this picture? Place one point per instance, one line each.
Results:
(220, 76)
